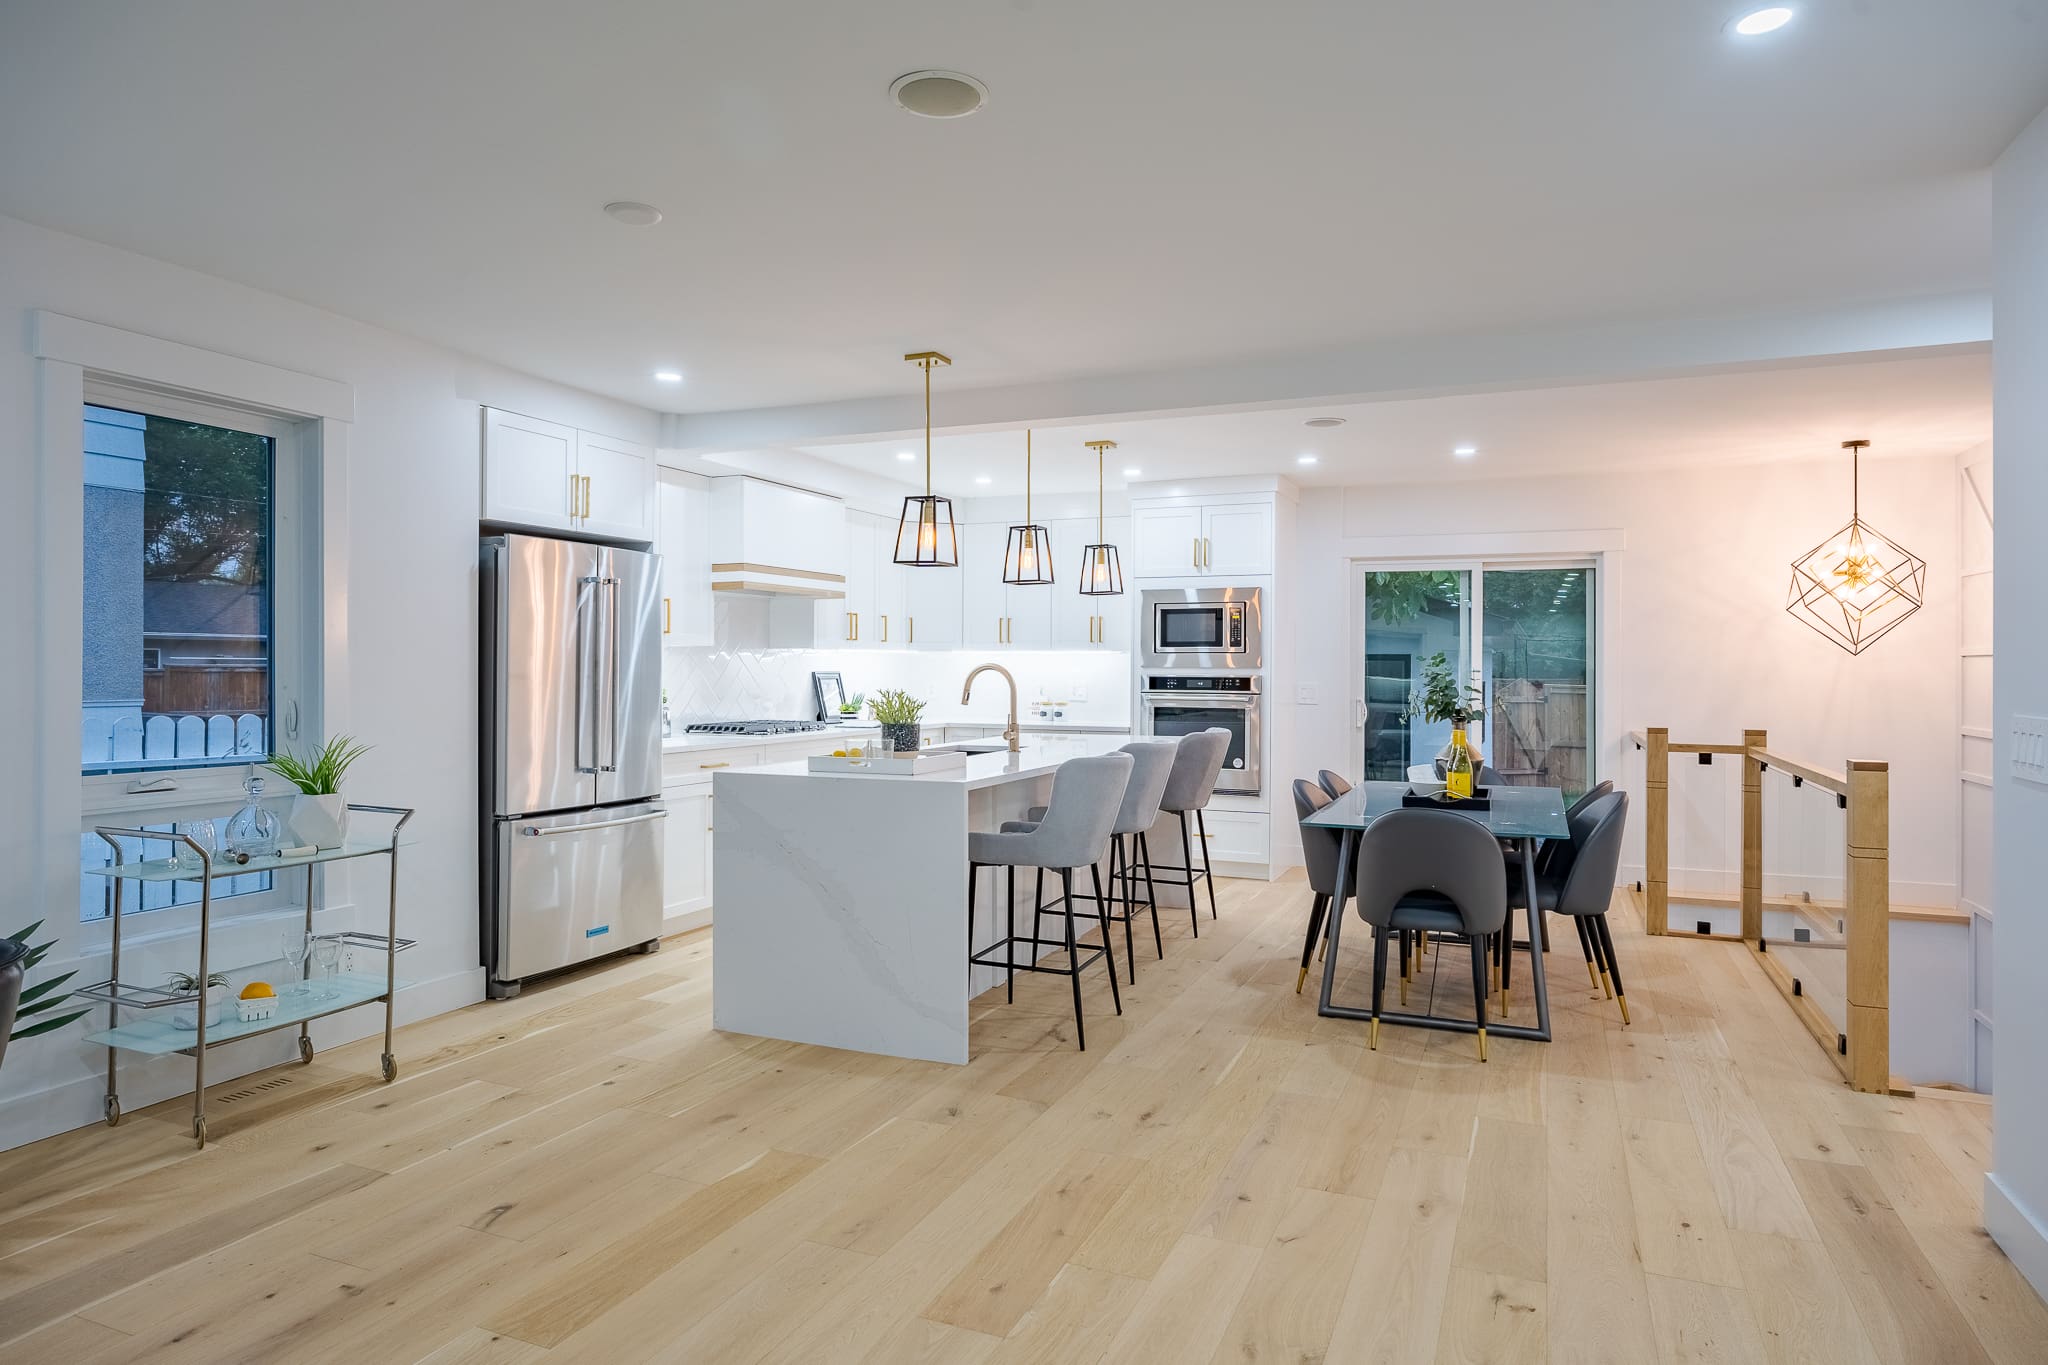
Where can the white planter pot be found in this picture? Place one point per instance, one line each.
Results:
(321, 821)
(186, 1016)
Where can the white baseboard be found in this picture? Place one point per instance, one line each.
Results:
(2019, 1233)
(75, 1103)
(672, 925)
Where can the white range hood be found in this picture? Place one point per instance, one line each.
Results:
(769, 539)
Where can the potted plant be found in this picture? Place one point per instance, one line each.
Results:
(1440, 699)
(28, 1011)
(209, 996)
(898, 712)
(851, 706)
(319, 815)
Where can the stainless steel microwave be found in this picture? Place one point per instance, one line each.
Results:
(1202, 628)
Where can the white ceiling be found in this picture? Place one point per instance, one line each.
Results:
(1935, 405)
(1154, 183)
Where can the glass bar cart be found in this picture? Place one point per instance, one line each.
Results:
(150, 1033)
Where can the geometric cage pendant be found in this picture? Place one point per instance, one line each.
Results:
(1856, 586)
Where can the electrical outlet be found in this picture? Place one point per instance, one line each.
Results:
(1080, 693)
(1306, 694)
(2030, 749)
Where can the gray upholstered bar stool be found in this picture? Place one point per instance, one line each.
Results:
(1151, 761)
(1086, 795)
(1189, 786)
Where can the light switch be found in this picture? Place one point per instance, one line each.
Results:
(2030, 748)
(1306, 694)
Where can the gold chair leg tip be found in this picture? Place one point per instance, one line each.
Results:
(1622, 1001)
(1299, 979)
(1482, 1044)
(1374, 1039)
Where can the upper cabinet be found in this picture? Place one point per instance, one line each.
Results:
(1192, 540)
(769, 537)
(683, 539)
(552, 477)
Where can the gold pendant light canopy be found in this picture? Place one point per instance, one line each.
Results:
(1027, 556)
(925, 538)
(1102, 573)
(1858, 584)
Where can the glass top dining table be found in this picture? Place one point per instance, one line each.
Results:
(1521, 815)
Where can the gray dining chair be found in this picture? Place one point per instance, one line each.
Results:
(1086, 796)
(1320, 850)
(1431, 872)
(1189, 786)
(1581, 885)
(1333, 782)
(1151, 762)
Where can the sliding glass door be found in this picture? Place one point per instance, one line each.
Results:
(1522, 632)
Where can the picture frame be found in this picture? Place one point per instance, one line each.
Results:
(829, 690)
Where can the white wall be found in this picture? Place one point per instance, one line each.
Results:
(2016, 1193)
(1976, 869)
(1697, 637)
(410, 666)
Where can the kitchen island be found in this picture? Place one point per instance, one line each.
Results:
(842, 898)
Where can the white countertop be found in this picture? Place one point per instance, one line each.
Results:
(1040, 756)
(1028, 725)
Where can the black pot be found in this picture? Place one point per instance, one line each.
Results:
(11, 954)
(902, 738)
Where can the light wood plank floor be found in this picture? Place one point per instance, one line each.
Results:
(590, 1173)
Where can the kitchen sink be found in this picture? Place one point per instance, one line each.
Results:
(973, 746)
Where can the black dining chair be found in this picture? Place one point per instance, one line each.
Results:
(1431, 872)
(1581, 884)
(1320, 849)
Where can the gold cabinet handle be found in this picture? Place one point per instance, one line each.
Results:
(668, 616)
(574, 485)
(910, 630)
(884, 637)
(1198, 552)
(726, 764)
(856, 625)
(586, 497)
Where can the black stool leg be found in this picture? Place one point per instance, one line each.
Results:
(1479, 988)
(1151, 896)
(1187, 855)
(1379, 982)
(1118, 859)
(1202, 827)
(973, 875)
(1308, 945)
(1108, 953)
(1010, 942)
(1613, 967)
(1038, 914)
(1073, 955)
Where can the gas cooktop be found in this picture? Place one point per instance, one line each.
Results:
(753, 727)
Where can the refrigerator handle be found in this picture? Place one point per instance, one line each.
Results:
(585, 713)
(611, 728)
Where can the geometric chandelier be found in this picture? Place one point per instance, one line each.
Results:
(1859, 583)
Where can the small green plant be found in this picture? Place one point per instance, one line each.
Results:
(892, 707)
(187, 983)
(321, 774)
(1441, 698)
(851, 706)
(34, 1014)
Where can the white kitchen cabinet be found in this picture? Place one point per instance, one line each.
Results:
(618, 486)
(1237, 540)
(529, 472)
(984, 597)
(889, 596)
(1220, 540)
(931, 605)
(686, 853)
(1166, 542)
(683, 538)
(1079, 621)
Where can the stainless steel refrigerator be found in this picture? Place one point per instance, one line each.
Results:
(571, 747)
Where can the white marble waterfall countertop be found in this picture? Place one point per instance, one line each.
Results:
(1040, 756)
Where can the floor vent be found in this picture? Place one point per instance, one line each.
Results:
(250, 1092)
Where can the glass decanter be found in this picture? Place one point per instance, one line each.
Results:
(252, 829)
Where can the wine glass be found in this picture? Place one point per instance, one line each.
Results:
(296, 945)
(327, 957)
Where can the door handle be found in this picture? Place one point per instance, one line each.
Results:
(725, 764)
(668, 616)
(536, 832)
(611, 725)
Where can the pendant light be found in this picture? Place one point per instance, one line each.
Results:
(1102, 573)
(1859, 583)
(1027, 556)
(924, 535)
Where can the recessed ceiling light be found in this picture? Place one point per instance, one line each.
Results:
(1325, 423)
(1304, 459)
(981, 478)
(1464, 452)
(1133, 472)
(669, 376)
(906, 454)
(632, 214)
(1758, 22)
(938, 94)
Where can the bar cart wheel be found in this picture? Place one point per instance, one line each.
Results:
(390, 1067)
(305, 1050)
(111, 1107)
